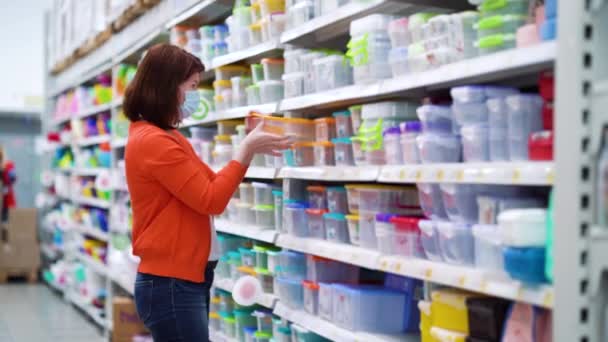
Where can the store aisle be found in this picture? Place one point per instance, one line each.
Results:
(33, 313)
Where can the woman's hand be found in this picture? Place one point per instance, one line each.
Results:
(258, 141)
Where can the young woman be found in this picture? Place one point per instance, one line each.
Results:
(8, 177)
(174, 195)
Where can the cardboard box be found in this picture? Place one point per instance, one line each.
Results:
(22, 224)
(19, 255)
(126, 322)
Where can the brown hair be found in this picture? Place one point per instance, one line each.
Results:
(152, 95)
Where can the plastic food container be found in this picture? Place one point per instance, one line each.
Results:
(323, 153)
(247, 257)
(392, 146)
(304, 154)
(246, 193)
(270, 91)
(488, 248)
(273, 261)
(343, 151)
(540, 146)
(273, 68)
(429, 238)
(495, 43)
(352, 195)
(227, 72)
(294, 84)
(299, 13)
(264, 319)
(273, 26)
(460, 201)
(524, 117)
(470, 113)
(311, 297)
(487, 317)
(229, 326)
(435, 118)
(264, 216)
(526, 264)
(523, 227)
(220, 86)
(355, 117)
(261, 258)
(326, 301)
(266, 279)
(449, 310)
(245, 213)
(317, 196)
(409, 131)
(296, 220)
(322, 270)
(499, 24)
(255, 33)
(491, 206)
(475, 140)
(336, 228)
(269, 7)
(456, 243)
(344, 127)
(290, 292)
(325, 129)
(431, 201)
(353, 229)
(407, 240)
(438, 148)
(239, 86)
(399, 33)
(316, 223)
(292, 264)
(257, 73)
(278, 209)
(331, 72)
(438, 334)
(398, 59)
(263, 193)
(337, 200)
(292, 60)
(379, 198)
(253, 95)
(367, 231)
(490, 7)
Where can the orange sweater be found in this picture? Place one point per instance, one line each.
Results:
(173, 196)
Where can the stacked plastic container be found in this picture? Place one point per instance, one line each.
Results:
(212, 43)
(229, 85)
(251, 25)
(369, 47)
(499, 21)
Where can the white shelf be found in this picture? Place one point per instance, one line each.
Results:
(96, 140)
(261, 172)
(332, 173)
(117, 102)
(514, 173)
(119, 142)
(267, 300)
(341, 252)
(92, 231)
(91, 311)
(266, 49)
(493, 67)
(469, 279)
(92, 171)
(248, 231)
(334, 332)
(93, 110)
(94, 202)
(93, 264)
(232, 113)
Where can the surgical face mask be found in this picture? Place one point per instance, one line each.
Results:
(191, 102)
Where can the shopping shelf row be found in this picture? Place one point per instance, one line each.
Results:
(451, 275)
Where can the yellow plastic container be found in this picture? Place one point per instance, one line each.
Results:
(269, 7)
(222, 139)
(426, 321)
(443, 335)
(299, 129)
(225, 73)
(449, 310)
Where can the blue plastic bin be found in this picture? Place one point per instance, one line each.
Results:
(526, 264)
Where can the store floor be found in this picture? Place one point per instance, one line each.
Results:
(33, 313)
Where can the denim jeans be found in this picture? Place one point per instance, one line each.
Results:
(174, 310)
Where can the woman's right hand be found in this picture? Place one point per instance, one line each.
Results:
(258, 141)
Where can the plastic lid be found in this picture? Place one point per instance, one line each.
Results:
(352, 217)
(493, 5)
(250, 330)
(325, 120)
(222, 83)
(384, 217)
(406, 223)
(256, 26)
(497, 21)
(316, 212)
(223, 138)
(264, 207)
(214, 315)
(262, 185)
(336, 188)
(395, 130)
(316, 188)
(245, 185)
(355, 108)
(343, 140)
(229, 320)
(296, 205)
(303, 144)
(335, 216)
(411, 127)
(341, 113)
(277, 192)
(272, 61)
(310, 285)
(260, 249)
(496, 40)
(284, 330)
(322, 143)
(262, 271)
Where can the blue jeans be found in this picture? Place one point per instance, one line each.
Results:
(174, 310)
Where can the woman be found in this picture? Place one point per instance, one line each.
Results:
(174, 195)
(8, 177)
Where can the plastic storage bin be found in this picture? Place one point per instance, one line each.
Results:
(229, 326)
(460, 201)
(491, 7)
(292, 264)
(264, 216)
(253, 95)
(294, 84)
(246, 193)
(435, 118)
(300, 13)
(495, 43)
(266, 279)
(273, 261)
(247, 257)
(384, 232)
(353, 229)
(523, 227)
(317, 196)
(355, 116)
(488, 248)
(336, 228)
(409, 132)
(407, 240)
(449, 309)
(296, 220)
(331, 72)
(352, 196)
(499, 24)
(264, 319)
(268, 7)
(273, 26)
(487, 317)
(343, 152)
(229, 71)
(325, 129)
(429, 238)
(273, 68)
(456, 243)
(270, 91)
(344, 127)
(470, 113)
(431, 201)
(245, 212)
(438, 148)
(257, 73)
(290, 292)
(239, 95)
(540, 146)
(526, 264)
(398, 60)
(316, 223)
(278, 209)
(336, 199)
(524, 118)
(392, 145)
(367, 231)
(324, 153)
(263, 193)
(380, 198)
(311, 297)
(398, 32)
(322, 270)
(475, 140)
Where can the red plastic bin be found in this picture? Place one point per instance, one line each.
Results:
(540, 145)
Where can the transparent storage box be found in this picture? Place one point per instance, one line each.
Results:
(331, 72)
(456, 243)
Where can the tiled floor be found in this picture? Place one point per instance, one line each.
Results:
(33, 313)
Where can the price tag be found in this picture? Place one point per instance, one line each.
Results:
(460, 176)
(418, 175)
(550, 177)
(384, 265)
(397, 267)
(548, 298)
(516, 175)
(402, 175)
(440, 175)
(461, 281)
(484, 286)
(428, 273)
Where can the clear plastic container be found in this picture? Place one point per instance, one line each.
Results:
(398, 59)
(343, 124)
(227, 72)
(470, 113)
(273, 26)
(475, 143)
(290, 292)
(491, 7)
(292, 60)
(499, 24)
(352, 195)
(326, 296)
(491, 206)
(311, 297)
(264, 216)
(384, 233)
(255, 33)
(317, 196)
(392, 146)
(239, 95)
(292, 264)
(367, 231)
(409, 132)
(304, 154)
(247, 257)
(336, 228)
(300, 13)
(246, 193)
(331, 72)
(462, 34)
(245, 213)
(220, 86)
(429, 238)
(460, 201)
(373, 23)
(325, 129)
(295, 220)
(384, 198)
(523, 227)
(323, 153)
(526, 264)
(273, 261)
(456, 243)
(355, 117)
(495, 43)
(270, 91)
(431, 201)
(498, 129)
(273, 68)
(488, 248)
(524, 117)
(263, 193)
(399, 32)
(343, 152)
(316, 224)
(353, 229)
(253, 95)
(438, 148)
(336, 199)
(407, 237)
(294, 84)
(257, 73)
(435, 118)
(269, 7)
(278, 209)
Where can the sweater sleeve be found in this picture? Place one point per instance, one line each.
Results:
(168, 163)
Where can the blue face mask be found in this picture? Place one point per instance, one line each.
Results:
(191, 102)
